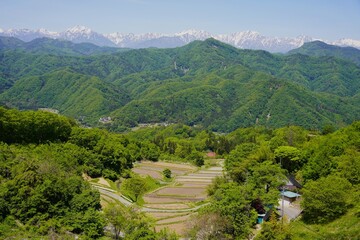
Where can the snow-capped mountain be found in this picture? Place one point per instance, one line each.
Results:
(130, 39)
(80, 34)
(346, 42)
(254, 40)
(192, 35)
(245, 39)
(28, 34)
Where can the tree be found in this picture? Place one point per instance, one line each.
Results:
(115, 215)
(265, 178)
(215, 185)
(135, 186)
(349, 165)
(289, 158)
(274, 230)
(325, 199)
(150, 151)
(233, 202)
(129, 224)
(166, 234)
(206, 226)
(197, 158)
(184, 148)
(167, 173)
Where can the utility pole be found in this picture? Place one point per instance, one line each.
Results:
(282, 207)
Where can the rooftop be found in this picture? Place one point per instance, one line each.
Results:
(290, 194)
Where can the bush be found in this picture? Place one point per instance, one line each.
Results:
(167, 173)
(197, 158)
(110, 174)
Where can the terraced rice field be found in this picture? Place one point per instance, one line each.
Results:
(154, 169)
(188, 188)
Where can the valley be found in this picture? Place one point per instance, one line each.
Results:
(196, 141)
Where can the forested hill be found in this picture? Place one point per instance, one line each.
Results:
(55, 47)
(318, 48)
(206, 83)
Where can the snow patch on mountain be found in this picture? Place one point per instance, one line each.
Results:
(80, 34)
(192, 35)
(245, 39)
(346, 42)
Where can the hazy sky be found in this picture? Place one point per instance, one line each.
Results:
(328, 19)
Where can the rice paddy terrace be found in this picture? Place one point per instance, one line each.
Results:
(173, 205)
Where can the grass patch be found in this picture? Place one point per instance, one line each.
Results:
(345, 227)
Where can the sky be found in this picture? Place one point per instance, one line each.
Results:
(326, 19)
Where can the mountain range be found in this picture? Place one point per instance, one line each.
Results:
(206, 83)
(244, 40)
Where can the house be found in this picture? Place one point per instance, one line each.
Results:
(292, 184)
(289, 196)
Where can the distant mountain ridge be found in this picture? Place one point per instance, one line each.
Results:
(244, 40)
(320, 49)
(55, 46)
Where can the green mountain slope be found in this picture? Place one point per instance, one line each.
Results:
(224, 104)
(72, 93)
(55, 47)
(205, 82)
(320, 49)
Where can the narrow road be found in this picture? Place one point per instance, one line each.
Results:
(113, 195)
(126, 202)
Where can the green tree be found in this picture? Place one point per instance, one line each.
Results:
(116, 216)
(150, 151)
(197, 158)
(274, 230)
(135, 186)
(289, 158)
(265, 178)
(234, 203)
(349, 165)
(325, 199)
(167, 173)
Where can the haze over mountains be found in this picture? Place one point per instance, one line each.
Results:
(244, 40)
